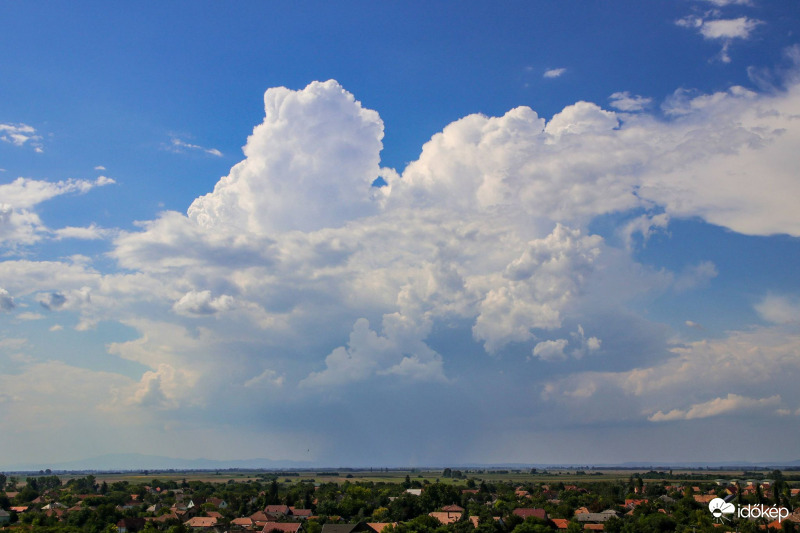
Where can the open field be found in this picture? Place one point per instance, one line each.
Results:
(397, 476)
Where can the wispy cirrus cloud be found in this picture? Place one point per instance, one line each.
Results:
(178, 146)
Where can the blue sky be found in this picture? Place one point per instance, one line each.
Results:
(584, 249)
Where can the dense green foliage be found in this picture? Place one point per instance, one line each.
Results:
(654, 504)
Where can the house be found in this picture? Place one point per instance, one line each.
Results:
(453, 508)
(415, 492)
(244, 522)
(666, 499)
(201, 522)
(260, 518)
(560, 523)
(527, 512)
(53, 506)
(130, 504)
(284, 527)
(300, 514)
(219, 503)
(278, 510)
(172, 515)
(633, 503)
(57, 512)
(195, 502)
(5, 517)
(129, 525)
(345, 528)
(593, 527)
(704, 498)
(19, 509)
(446, 517)
(597, 517)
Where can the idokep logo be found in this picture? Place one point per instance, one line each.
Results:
(762, 511)
(719, 508)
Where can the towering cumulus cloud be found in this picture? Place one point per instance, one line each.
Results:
(297, 290)
(317, 148)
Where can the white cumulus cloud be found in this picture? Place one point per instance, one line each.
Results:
(317, 148)
(20, 135)
(624, 101)
(554, 72)
(724, 30)
(732, 403)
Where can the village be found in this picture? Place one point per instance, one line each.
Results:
(455, 502)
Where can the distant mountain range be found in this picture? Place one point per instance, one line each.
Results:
(137, 461)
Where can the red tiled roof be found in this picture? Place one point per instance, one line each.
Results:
(561, 523)
(201, 521)
(525, 512)
(164, 517)
(634, 503)
(593, 527)
(282, 527)
(446, 517)
(261, 516)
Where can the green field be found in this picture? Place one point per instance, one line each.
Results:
(397, 476)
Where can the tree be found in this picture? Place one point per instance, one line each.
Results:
(531, 525)
(273, 497)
